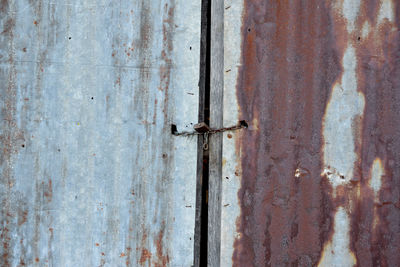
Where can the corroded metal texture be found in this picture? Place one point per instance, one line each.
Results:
(90, 174)
(315, 180)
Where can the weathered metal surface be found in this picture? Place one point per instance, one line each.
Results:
(90, 173)
(315, 180)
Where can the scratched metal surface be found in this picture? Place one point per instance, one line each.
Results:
(315, 180)
(90, 174)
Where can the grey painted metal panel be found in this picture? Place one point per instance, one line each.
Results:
(90, 174)
(231, 178)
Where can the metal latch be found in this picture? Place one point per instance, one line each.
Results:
(203, 129)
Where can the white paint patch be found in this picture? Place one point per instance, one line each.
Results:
(365, 29)
(377, 171)
(386, 11)
(299, 172)
(345, 105)
(333, 174)
(350, 11)
(337, 252)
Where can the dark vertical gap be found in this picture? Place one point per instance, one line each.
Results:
(207, 64)
(204, 218)
(201, 226)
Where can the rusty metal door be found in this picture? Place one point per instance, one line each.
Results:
(90, 173)
(315, 179)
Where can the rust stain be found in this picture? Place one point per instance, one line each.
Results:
(43, 185)
(165, 68)
(22, 216)
(118, 81)
(295, 65)
(3, 6)
(48, 190)
(155, 112)
(8, 26)
(145, 256)
(128, 254)
(11, 139)
(50, 247)
(144, 54)
(162, 257)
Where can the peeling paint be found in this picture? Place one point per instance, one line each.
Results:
(365, 29)
(350, 10)
(337, 251)
(345, 106)
(377, 171)
(386, 11)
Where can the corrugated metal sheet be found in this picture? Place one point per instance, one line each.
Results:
(315, 180)
(90, 174)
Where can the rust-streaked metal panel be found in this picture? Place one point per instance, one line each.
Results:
(90, 174)
(315, 179)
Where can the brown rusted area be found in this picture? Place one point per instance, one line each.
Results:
(289, 63)
(292, 55)
(375, 224)
(374, 216)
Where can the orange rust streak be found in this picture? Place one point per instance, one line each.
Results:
(162, 258)
(145, 256)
